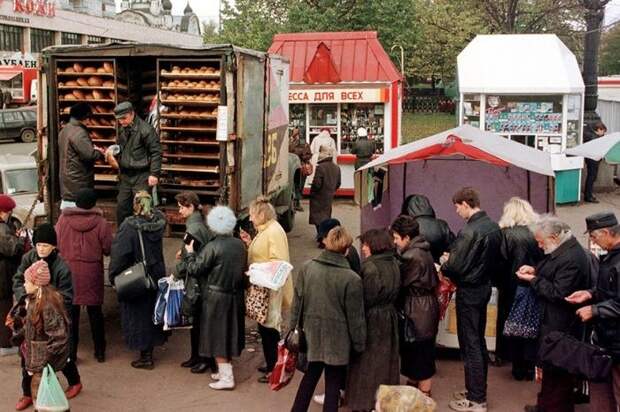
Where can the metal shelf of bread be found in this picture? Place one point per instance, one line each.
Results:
(188, 129)
(175, 116)
(191, 168)
(191, 142)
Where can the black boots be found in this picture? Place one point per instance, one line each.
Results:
(145, 361)
(205, 364)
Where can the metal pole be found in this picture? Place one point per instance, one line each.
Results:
(402, 57)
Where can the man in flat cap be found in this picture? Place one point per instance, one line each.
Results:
(77, 155)
(140, 158)
(603, 306)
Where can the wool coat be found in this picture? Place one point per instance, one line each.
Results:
(220, 268)
(329, 303)
(378, 364)
(324, 185)
(84, 237)
(270, 244)
(137, 316)
(11, 250)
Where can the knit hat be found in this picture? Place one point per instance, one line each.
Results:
(86, 198)
(45, 233)
(6, 203)
(324, 153)
(38, 273)
(324, 228)
(222, 220)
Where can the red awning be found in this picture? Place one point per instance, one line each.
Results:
(8, 76)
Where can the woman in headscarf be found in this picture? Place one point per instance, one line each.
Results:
(137, 315)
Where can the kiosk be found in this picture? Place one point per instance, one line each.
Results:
(527, 88)
(339, 82)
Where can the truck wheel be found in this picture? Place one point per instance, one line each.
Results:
(287, 219)
(28, 136)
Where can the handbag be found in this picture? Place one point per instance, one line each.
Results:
(406, 327)
(257, 303)
(295, 341)
(284, 368)
(524, 317)
(564, 351)
(134, 282)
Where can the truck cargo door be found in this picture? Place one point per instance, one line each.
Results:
(250, 125)
(275, 165)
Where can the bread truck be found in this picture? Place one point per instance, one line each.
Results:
(221, 113)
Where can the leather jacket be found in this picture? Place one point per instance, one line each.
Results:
(140, 148)
(606, 303)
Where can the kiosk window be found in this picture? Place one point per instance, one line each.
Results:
(11, 38)
(40, 39)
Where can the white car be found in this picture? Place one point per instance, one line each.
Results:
(19, 179)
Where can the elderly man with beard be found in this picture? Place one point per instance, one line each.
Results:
(603, 307)
(563, 270)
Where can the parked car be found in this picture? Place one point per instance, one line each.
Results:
(19, 124)
(19, 179)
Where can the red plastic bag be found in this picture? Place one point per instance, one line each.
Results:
(445, 291)
(285, 368)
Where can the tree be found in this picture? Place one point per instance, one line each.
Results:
(209, 32)
(609, 63)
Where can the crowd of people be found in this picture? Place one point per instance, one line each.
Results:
(367, 320)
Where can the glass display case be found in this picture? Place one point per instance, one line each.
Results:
(471, 110)
(297, 118)
(354, 116)
(323, 116)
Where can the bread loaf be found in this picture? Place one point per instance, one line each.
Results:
(101, 70)
(77, 68)
(82, 81)
(79, 94)
(66, 70)
(90, 69)
(95, 81)
(101, 109)
(112, 95)
(108, 83)
(108, 67)
(98, 95)
(176, 69)
(71, 83)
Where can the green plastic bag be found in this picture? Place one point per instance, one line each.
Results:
(51, 397)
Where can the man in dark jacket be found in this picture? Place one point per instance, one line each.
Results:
(197, 231)
(564, 270)
(352, 255)
(435, 231)
(324, 185)
(77, 156)
(362, 148)
(45, 241)
(11, 249)
(470, 265)
(140, 158)
(591, 132)
(603, 308)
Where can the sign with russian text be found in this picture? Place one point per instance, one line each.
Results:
(44, 8)
(26, 60)
(377, 95)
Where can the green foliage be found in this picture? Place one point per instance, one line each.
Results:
(609, 62)
(419, 125)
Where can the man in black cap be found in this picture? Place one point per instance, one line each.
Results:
(140, 158)
(77, 155)
(603, 308)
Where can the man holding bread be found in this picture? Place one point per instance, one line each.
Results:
(139, 160)
(77, 156)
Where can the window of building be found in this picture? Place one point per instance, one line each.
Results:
(95, 40)
(11, 38)
(71, 38)
(40, 39)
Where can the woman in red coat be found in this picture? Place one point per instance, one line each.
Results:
(84, 237)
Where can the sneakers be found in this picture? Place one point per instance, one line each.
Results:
(23, 403)
(9, 351)
(460, 395)
(465, 405)
(226, 379)
(73, 391)
(320, 399)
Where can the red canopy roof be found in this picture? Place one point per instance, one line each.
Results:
(356, 56)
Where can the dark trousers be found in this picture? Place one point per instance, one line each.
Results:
(270, 338)
(334, 376)
(128, 186)
(5, 333)
(605, 396)
(471, 320)
(70, 371)
(556, 391)
(97, 328)
(300, 182)
(592, 173)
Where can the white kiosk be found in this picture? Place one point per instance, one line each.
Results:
(527, 88)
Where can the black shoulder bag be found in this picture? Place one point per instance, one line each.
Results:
(134, 282)
(295, 341)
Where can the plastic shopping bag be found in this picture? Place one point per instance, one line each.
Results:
(271, 275)
(445, 291)
(160, 303)
(170, 292)
(285, 368)
(51, 397)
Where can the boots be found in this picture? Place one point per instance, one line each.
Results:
(227, 379)
(145, 361)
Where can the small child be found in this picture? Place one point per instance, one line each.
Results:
(40, 326)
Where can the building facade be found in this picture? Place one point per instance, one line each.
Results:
(157, 13)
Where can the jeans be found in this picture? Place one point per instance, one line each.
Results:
(605, 396)
(334, 376)
(97, 328)
(471, 320)
(270, 338)
(592, 173)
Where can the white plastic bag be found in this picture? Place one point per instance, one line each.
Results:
(271, 275)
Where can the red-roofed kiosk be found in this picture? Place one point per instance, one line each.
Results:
(341, 81)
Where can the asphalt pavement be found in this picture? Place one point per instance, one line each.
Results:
(17, 148)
